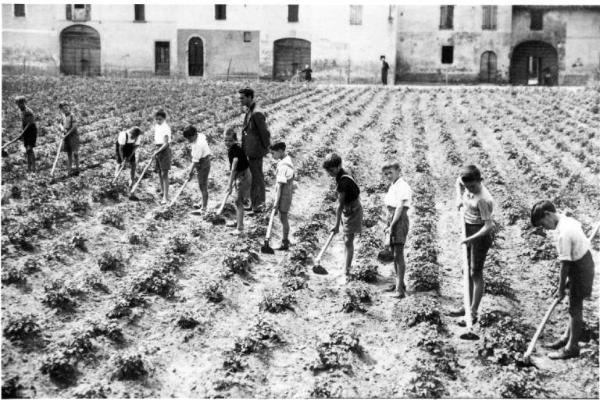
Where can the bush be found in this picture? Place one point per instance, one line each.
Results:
(21, 327)
(156, 282)
(112, 217)
(110, 330)
(294, 283)
(337, 352)
(109, 261)
(129, 367)
(238, 263)
(278, 300)
(356, 296)
(364, 271)
(520, 384)
(60, 296)
(179, 243)
(505, 342)
(60, 368)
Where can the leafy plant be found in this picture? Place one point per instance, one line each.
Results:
(417, 310)
(364, 271)
(179, 243)
(136, 238)
(129, 367)
(213, 291)
(110, 261)
(277, 300)
(21, 327)
(61, 368)
(356, 297)
(112, 217)
(13, 275)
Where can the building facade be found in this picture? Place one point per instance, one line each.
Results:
(532, 45)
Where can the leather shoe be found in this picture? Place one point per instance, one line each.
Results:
(564, 354)
(558, 344)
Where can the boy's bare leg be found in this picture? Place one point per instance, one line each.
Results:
(285, 224)
(239, 211)
(477, 290)
(203, 185)
(349, 244)
(165, 183)
(575, 326)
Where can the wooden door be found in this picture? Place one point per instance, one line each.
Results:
(488, 67)
(289, 56)
(80, 51)
(162, 58)
(196, 57)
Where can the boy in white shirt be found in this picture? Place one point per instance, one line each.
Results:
(162, 140)
(201, 156)
(577, 266)
(126, 146)
(397, 200)
(285, 183)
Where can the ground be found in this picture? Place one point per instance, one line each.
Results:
(105, 296)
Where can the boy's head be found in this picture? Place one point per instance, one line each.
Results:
(246, 96)
(20, 102)
(64, 107)
(391, 171)
(332, 164)
(230, 137)
(278, 150)
(382, 57)
(135, 132)
(470, 176)
(543, 213)
(190, 133)
(160, 116)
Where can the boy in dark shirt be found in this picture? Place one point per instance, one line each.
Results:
(29, 135)
(240, 176)
(349, 210)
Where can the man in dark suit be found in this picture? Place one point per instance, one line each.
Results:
(256, 140)
(384, 70)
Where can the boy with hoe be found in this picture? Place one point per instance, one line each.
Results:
(162, 140)
(201, 155)
(478, 206)
(285, 182)
(349, 210)
(127, 144)
(29, 134)
(240, 176)
(577, 266)
(71, 138)
(397, 200)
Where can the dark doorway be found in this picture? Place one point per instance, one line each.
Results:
(80, 51)
(488, 68)
(162, 59)
(289, 56)
(534, 63)
(195, 57)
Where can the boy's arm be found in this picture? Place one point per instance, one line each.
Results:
(121, 153)
(488, 226)
(338, 212)
(194, 166)
(399, 212)
(232, 175)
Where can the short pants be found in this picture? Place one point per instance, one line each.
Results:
(71, 143)
(352, 215)
(163, 159)
(243, 183)
(127, 152)
(400, 231)
(478, 248)
(203, 169)
(285, 200)
(581, 279)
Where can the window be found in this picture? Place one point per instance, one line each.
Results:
(247, 37)
(293, 13)
(19, 10)
(139, 11)
(446, 17)
(447, 54)
(220, 11)
(355, 15)
(162, 60)
(537, 20)
(79, 12)
(489, 17)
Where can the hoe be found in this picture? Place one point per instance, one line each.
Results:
(137, 183)
(469, 334)
(317, 268)
(4, 153)
(266, 248)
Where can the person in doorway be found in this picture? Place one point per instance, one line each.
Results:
(256, 140)
(126, 146)
(307, 71)
(385, 67)
(71, 138)
(547, 75)
(29, 133)
(576, 272)
(285, 184)
(162, 142)
(478, 206)
(201, 156)
(349, 211)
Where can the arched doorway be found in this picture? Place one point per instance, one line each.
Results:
(80, 51)
(534, 63)
(488, 67)
(289, 56)
(195, 57)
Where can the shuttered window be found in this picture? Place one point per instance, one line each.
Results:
(220, 11)
(19, 10)
(356, 15)
(139, 11)
(537, 20)
(447, 17)
(489, 17)
(293, 13)
(79, 12)
(247, 37)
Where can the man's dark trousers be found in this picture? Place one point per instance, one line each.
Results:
(257, 191)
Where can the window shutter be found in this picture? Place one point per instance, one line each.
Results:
(69, 14)
(88, 12)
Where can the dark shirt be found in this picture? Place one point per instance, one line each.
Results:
(307, 74)
(236, 152)
(27, 117)
(347, 186)
(385, 67)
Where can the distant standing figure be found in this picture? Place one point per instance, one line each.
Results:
(71, 142)
(29, 135)
(256, 140)
(384, 70)
(307, 71)
(162, 155)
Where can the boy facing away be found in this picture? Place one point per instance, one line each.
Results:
(349, 211)
(71, 138)
(201, 156)
(126, 146)
(29, 134)
(285, 183)
(576, 272)
(398, 201)
(162, 155)
(240, 176)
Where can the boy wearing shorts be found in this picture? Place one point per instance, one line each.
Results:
(478, 206)
(240, 177)
(285, 183)
(349, 211)
(397, 200)
(162, 141)
(576, 273)
(29, 134)
(201, 156)
(71, 141)
(126, 146)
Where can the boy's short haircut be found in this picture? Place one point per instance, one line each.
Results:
(136, 131)
(332, 160)
(20, 99)
(539, 210)
(230, 133)
(470, 173)
(249, 92)
(189, 131)
(160, 113)
(391, 166)
(381, 57)
(278, 146)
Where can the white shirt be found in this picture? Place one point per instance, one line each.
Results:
(285, 170)
(125, 138)
(398, 193)
(160, 131)
(571, 242)
(200, 148)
